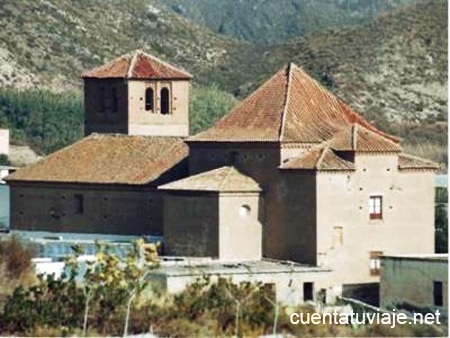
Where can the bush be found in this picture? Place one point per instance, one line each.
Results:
(207, 105)
(15, 266)
(208, 308)
(102, 301)
(16, 257)
(4, 160)
(49, 303)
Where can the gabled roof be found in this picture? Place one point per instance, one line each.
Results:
(361, 139)
(137, 65)
(321, 159)
(223, 179)
(107, 159)
(406, 162)
(289, 107)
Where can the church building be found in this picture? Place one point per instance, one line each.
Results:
(291, 173)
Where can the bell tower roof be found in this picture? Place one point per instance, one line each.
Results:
(137, 65)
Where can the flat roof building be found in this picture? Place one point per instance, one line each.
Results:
(414, 282)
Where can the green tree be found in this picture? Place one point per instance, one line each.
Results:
(207, 105)
(4, 160)
(45, 120)
(110, 281)
(108, 286)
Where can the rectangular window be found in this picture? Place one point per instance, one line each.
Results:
(338, 238)
(101, 100)
(308, 291)
(78, 204)
(375, 263)
(114, 100)
(376, 207)
(437, 293)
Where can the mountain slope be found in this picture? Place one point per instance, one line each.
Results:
(268, 22)
(50, 42)
(394, 66)
(392, 69)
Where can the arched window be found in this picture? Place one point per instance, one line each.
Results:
(114, 103)
(164, 101)
(149, 99)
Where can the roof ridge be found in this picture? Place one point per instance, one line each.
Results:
(286, 102)
(417, 157)
(358, 118)
(104, 65)
(132, 62)
(124, 65)
(238, 105)
(376, 133)
(320, 158)
(226, 177)
(165, 63)
(354, 136)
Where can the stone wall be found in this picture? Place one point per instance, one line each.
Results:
(241, 226)
(105, 209)
(260, 161)
(100, 116)
(191, 224)
(296, 227)
(288, 285)
(152, 122)
(346, 235)
(132, 117)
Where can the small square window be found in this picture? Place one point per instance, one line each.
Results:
(376, 207)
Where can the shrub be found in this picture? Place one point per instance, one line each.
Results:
(16, 256)
(15, 266)
(4, 160)
(103, 300)
(207, 105)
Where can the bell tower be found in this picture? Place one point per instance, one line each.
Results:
(137, 94)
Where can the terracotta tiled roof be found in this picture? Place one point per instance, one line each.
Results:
(406, 161)
(137, 65)
(361, 139)
(321, 159)
(290, 107)
(224, 179)
(107, 159)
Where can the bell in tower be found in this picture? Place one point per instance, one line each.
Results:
(137, 94)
